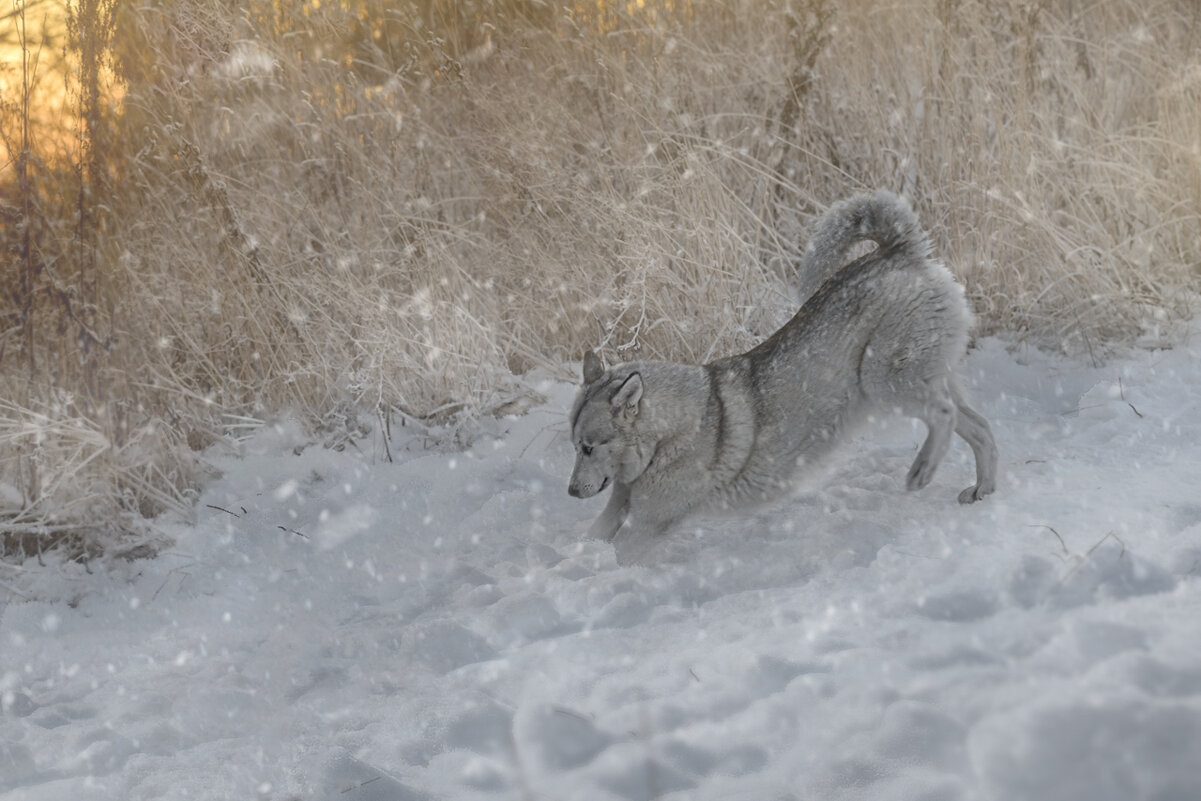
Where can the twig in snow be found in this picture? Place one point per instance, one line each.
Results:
(292, 531)
(1122, 392)
(537, 434)
(354, 787)
(223, 509)
(173, 571)
(385, 423)
(571, 713)
(1062, 544)
(1106, 537)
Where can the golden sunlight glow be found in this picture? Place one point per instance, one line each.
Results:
(53, 98)
(50, 70)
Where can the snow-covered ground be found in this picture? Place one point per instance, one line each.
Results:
(338, 627)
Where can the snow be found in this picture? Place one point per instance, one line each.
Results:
(336, 626)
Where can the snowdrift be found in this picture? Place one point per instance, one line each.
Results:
(334, 626)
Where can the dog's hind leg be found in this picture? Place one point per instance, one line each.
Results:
(909, 372)
(976, 431)
(935, 408)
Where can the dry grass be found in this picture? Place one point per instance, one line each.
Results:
(1055, 155)
(408, 231)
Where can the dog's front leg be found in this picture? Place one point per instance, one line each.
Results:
(605, 527)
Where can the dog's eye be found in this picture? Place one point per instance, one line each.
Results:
(586, 450)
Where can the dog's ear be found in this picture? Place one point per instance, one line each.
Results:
(593, 369)
(625, 402)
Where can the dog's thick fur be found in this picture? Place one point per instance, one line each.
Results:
(882, 333)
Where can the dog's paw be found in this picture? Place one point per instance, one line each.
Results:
(920, 474)
(603, 530)
(975, 493)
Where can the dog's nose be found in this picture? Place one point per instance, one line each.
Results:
(573, 490)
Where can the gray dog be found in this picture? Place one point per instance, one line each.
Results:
(880, 334)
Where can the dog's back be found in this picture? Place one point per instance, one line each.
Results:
(877, 333)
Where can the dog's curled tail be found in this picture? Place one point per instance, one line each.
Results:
(880, 216)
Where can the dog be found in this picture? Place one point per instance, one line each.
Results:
(883, 333)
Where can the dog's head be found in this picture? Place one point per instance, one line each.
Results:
(604, 428)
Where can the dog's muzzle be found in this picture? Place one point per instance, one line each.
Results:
(586, 491)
